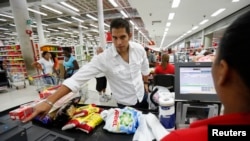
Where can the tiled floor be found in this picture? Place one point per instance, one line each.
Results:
(12, 97)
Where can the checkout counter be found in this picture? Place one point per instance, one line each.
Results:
(14, 130)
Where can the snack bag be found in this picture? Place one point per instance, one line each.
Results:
(85, 110)
(73, 123)
(90, 122)
(118, 120)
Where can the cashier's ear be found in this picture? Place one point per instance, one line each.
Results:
(224, 73)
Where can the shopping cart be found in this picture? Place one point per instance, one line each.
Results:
(42, 82)
(16, 79)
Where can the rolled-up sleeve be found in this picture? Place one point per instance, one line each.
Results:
(84, 74)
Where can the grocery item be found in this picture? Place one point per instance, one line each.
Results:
(118, 120)
(90, 122)
(85, 110)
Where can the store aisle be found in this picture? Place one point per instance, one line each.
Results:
(12, 97)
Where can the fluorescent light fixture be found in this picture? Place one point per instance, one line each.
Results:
(106, 25)
(79, 20)
(203, 22)
(38, 12)
(218, 12)
(68, 33)
(166, 29)
(33, 26)
(12, 25)
(124, 14)
(92, 17)
(176, 3)
(52, 29)
(76, 31)
(83, 26)
(189, 31)
(95, 30)
(136, 27)
(93, 25)
(45, 25)
(7, 16)
(63, 29)
(4, 20)
(3, 28)
(70, 6)
(235, 0)
(60, 19)
(131, 22)
(168, 24)
(113, 3)
(195, 27)
(46, 31)
(171, 16)
(52, 9)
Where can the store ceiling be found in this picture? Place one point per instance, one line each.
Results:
(149, 16)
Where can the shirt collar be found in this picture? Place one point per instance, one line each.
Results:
(114, 51)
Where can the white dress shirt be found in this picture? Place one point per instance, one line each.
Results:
(125, 79)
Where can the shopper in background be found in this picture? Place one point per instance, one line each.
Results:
(45, 64)
(125, 66)
(87, 57)
(101, 82)
(56, 63)
(151, 57)
(70, 64)
(232, 84)
(165, 67)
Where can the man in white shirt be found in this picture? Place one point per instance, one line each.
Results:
(125, 66)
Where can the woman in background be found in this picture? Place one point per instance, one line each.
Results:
(46, 65)
(70, 64)
(165, 67)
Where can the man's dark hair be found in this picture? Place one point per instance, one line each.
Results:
(44, 53)
(67, 49)
(120, 23)
(234, 47)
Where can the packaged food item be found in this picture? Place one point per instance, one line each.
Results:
(21, 113)
(73, 123)
(85, 110)
(90, 122)
(45, 93)
(118, 120)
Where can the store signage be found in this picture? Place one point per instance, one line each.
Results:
(29, 22)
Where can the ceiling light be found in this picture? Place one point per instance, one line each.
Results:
(3, 28)
(195, 27)
(124, 14)
(79, 20)
(113, 3)
(171, 16)
(33, 26)
(131, 22)
(12, 25)
(6, 16)
(189, 31)
(63, 29)
(52, 29)
(45, 25)
(46, 31)
(95, 30)
(106, 25)
(83, 26)
(64, 20)
(93, 25)
(68, 32)
(218, 12)
(235, 0)
(166, 29)
(176, 3)
(168, 24)
(52, 9)
(69, 6)
(3, 20)
(38, 12)
(136, 27)
(203, 22)
(90, 16)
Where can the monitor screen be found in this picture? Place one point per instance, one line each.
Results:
(193, 81)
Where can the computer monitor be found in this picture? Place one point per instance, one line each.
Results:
(194, 82)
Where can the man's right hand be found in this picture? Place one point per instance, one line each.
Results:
(40, 110)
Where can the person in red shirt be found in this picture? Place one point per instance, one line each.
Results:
(232, 83)
(165, 67)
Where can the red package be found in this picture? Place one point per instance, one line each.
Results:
(44, 94)
(86, 110)
(21, 113)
